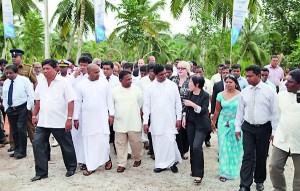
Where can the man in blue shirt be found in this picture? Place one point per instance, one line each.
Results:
(236, 71)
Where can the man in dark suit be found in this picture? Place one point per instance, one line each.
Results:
(218, 87)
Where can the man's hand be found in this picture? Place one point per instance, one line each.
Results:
(146, 129)
(187, 102)
(77, 72)
(68, 125)
(76, 124)
(271, 139)
(183, 122)
(111, 120)
(34, 121)
(178, 124)
(237, 135)
(213, 127)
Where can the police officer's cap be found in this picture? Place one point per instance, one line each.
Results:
(63, 63)
(16, 52)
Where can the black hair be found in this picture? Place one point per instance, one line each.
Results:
(296, 75)
(107, 62)
(274, 56)
(128, 65)
(196, 79)
(84, 59)
(225, 68)
(254, 68)
(87, 54)
(3, 61)
(233, 78)
(194, 62)
(123, 73)
(264, 69)
(12, 67)
(168, 67)
(199, 66)
(221, 65)
(177, 59)
(136, 65)
(135, 72)
(158, 68)
(293, 68)
(227, 62)
(51, 62)
(71, 60)
(144, 68)
(151, 67)
(236, 66)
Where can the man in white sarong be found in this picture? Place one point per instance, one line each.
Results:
(94, 102)
(74, 79)
(128, 101)
(162, 100)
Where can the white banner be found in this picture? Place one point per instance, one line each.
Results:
(8, 19)
(99, 20)
(240, 11)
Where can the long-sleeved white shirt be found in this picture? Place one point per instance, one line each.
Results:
(162, 101)
(22, 92)
(264, 107)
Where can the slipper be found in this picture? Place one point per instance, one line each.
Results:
(108, 165)
(196, 181)
(222, 179)
(2, 145)
(83, 167)
(87, 173)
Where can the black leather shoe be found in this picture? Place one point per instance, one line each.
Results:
(70, 173)
(158, 170)
(19, 156)
(10, 149)
(207, 144)
(260, 186)
(38, 178)
(13, 154)
(242, 189)
(174, 168)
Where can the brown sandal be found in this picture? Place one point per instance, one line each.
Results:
(87, 173)
(108, 165)
(137, 163)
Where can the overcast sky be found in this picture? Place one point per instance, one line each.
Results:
(177, 26)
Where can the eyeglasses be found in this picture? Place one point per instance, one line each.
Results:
(181, 68)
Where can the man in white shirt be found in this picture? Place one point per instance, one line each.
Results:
(162, 99)
(63, 68)
(128, 101)
(257, 117)
(96, 108)
(287, 138)
(37, 68)
(17, 100)
(54, 105)
(264, 78)
(107, 68)
(74, 79)
(217, 77)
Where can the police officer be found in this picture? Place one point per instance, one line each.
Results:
(27, 71)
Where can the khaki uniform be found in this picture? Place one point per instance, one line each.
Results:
(27, 71)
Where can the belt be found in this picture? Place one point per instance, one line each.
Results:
(257, 125)
(19, 106)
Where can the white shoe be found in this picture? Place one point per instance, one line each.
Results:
(54, 143)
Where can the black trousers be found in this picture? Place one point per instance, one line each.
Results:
(255, 142)
(41, 150)
(151, 151)
(208, 137)
(17, 117)
(196, 139)
(182, 141)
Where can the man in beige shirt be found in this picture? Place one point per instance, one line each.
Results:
(128, 101)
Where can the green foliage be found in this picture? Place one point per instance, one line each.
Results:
(32, 35)
(284, 17)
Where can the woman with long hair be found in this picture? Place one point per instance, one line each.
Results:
(230, 148)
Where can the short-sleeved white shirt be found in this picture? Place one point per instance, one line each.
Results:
(54, 102)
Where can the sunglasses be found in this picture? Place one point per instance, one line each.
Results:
(181, 68)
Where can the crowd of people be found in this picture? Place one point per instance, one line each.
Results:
(169, 110)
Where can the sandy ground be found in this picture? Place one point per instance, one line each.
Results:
(16, 174)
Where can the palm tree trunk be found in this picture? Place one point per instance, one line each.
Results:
(71, 42)
(82, 13)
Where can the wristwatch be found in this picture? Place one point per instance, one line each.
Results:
(69, 118)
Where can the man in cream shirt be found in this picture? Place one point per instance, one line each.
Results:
(287, 137)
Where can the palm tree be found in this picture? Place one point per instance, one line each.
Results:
(20, 8)
(139, 20)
